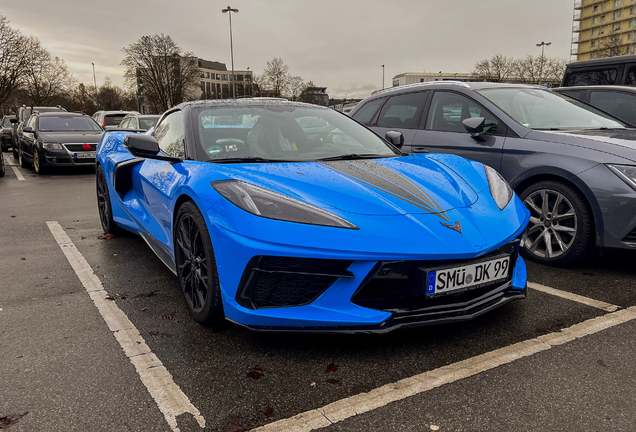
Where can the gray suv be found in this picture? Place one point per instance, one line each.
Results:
(572, 165)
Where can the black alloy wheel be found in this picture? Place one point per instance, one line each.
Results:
(37, 162)
(2, 171)
(104, 206)
(196, 266)
(561, 227)
(14, 149)
(23, 162)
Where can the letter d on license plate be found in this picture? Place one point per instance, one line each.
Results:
(474, 275)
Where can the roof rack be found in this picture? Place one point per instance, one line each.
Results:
(424, 84)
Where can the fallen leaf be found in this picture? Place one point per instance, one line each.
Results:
(10, 419)
(602, 363)
(23, 259)
(331, 368)
(334, 381)
(269, 411)
(144, 309)
(232, 424)
(20, 356)
(433, 427)
(313, 384)
(13, 216)
(121, 296)
(169, 316)
(105, 236)
(109, 298)
(255, 375)
(83, 238)
(77, 220)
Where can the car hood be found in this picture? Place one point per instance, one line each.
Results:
(67, 137)
(617, 142)
(389, 186)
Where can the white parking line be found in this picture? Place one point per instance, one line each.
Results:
(17, 172)
(381, 396)
(169, 398)
(574, 297)
(9, 161)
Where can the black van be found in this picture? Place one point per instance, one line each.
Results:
(619, 70)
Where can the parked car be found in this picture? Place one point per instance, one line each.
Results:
(110, 119)
(620, 101)
(273, 230)
(574, 166)
(617, 70)
(58, 140)
(2, 169)
(139, 121)
(24, 112)
(5, 138)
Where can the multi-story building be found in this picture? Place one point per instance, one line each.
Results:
(603, 28)
(217, 81)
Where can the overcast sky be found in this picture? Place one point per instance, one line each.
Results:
(339, 44)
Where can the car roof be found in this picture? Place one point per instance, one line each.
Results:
(598, 87)
(247, 102)
(602, 61)
(60, 114)
(455, 84)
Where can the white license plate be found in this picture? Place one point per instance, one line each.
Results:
(86, 155)
(461, 278)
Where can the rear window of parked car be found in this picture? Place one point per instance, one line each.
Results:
(597, 77)
(114, 119)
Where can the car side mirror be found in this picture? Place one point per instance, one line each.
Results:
(146, 146)
(474, 126)
(14, 121)
(396, 138)
(28, 130)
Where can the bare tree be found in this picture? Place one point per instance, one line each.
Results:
(295, 87)
(275, 76)
(612, 47)
(497, 69)
(46, 77)
(14, 57)
(161, 71)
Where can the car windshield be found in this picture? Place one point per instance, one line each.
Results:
(283, 132)
(147, 122)
(6, 122)
(543, 109)
(67, 124)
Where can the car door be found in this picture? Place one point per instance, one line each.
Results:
(618, 103)
(402, 113)
(28, 138)
(160, 181)
(444, 132)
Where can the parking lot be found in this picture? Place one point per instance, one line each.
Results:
(95, 336)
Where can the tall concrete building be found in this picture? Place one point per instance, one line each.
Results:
(603, 28)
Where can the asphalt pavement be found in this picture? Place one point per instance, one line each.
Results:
(63, 366)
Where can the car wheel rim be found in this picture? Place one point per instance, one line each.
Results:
(553, 224)
(192, 263)
(102, 199)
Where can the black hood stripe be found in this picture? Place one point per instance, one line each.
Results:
(388, 181)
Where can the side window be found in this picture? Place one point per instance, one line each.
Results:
(365, 114)
(403, 111)
(631, 77)
(133, 123)
(576, 94)
(124, 124)
(170, 135)
(622, 105)
(598, 77)
(448, 110)
(31, 122)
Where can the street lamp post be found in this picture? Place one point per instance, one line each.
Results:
(542, 45)
(95, 80)
(382, 77)
(230, 10)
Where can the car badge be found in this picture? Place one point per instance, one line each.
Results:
(86, 147)
(457, 227)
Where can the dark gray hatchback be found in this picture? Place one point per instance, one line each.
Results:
(572, 165)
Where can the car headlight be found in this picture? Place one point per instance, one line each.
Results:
(499, 187)
(272, 205)
(52, 146)
(627, 173)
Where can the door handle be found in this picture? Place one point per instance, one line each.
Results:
(419, 149)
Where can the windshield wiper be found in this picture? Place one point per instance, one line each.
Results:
(255, 159)
(354, 156)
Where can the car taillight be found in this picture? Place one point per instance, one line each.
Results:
(104, 125)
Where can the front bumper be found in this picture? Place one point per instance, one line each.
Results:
(69, 156)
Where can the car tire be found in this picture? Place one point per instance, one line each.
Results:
(14, 149)
(2, 171)
(561, 228)
(104, 205)
(37, 162)
(23, 162)
(196, 267)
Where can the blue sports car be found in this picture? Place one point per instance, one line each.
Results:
(279, 215)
